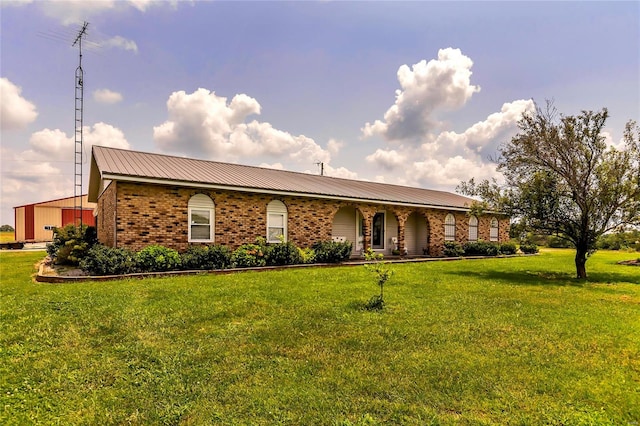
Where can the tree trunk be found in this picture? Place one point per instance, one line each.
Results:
(581, 262)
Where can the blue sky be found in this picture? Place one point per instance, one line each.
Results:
(414, 93)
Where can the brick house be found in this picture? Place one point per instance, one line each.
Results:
(145, 198)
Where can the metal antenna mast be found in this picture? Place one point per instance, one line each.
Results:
(77, 185)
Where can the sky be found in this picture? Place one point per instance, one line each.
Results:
(411, 93)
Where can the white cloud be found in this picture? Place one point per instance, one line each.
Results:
(46, 170)
(334, 146)
(55, 145)
(119, 42)
(74, 11)
(203, 124)
(388, 160)
(483, 138)
(106, 96)
(447, 173)
(441, 84)
(447, 158)
(608, 140)
(16, 112)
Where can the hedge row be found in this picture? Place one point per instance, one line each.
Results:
(485, 248)
(102, 260)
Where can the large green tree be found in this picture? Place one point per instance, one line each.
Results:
(562, 178)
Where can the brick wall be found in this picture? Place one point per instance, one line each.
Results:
(135, 215)
(106, 220)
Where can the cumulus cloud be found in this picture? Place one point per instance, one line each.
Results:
(45, 170)
(106, 96)
(448, 157)
(442, 84)
(334, 146)
(388, 160)
(48, 144)
(203, 124)
(16, 112)
(482, 138)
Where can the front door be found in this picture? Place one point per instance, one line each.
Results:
(377, 232)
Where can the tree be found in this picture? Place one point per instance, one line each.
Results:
(562, 178)
(6, 228)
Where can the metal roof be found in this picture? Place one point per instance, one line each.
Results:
(125, 165)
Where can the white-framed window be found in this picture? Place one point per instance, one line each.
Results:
(276, 221)
(473, 228)
(201, 213)
(450, 228)
(493, 230)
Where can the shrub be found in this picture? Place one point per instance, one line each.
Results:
(480, 248)
(528, 247)
(219, 257)
(195, 257)
(206, 257)
(331, 251)
(553, 241)
(71, 243)
(307, 255)
(282, 254)
(453, 249)
(508, 248)
(156, 258)
(102, 260)
(248, 256)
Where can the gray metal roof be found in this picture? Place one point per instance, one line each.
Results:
(125, 165)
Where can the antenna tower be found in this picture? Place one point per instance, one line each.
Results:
(77, 174)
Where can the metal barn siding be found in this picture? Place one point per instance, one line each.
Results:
(35, 222)
(87, 217)
(29, 213)
(18, 234)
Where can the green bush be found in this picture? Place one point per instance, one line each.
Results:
(156, 258)
(332, 251)
(283, 253)
(206, 257)
(71, 243)
(307, 255)
(480, 248)
(508, 248)
(553, 241)
(102, 260)
(248, 256)
(528, 247)
(452, 249)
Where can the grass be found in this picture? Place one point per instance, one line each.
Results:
(500, 341)
(7, 237)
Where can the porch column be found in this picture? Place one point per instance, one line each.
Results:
(402, 220)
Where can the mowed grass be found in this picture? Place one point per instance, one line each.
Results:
(7, 237)
(499, 341)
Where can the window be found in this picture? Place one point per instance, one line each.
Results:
(201, 214)
(276, 221)
(493, 234)
(473, 228)
(450, 228)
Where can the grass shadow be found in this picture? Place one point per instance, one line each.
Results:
(542, 277)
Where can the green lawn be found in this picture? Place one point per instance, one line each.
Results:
(500, 341)
(7, 237)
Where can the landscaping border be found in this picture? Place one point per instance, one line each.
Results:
(54, 278)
